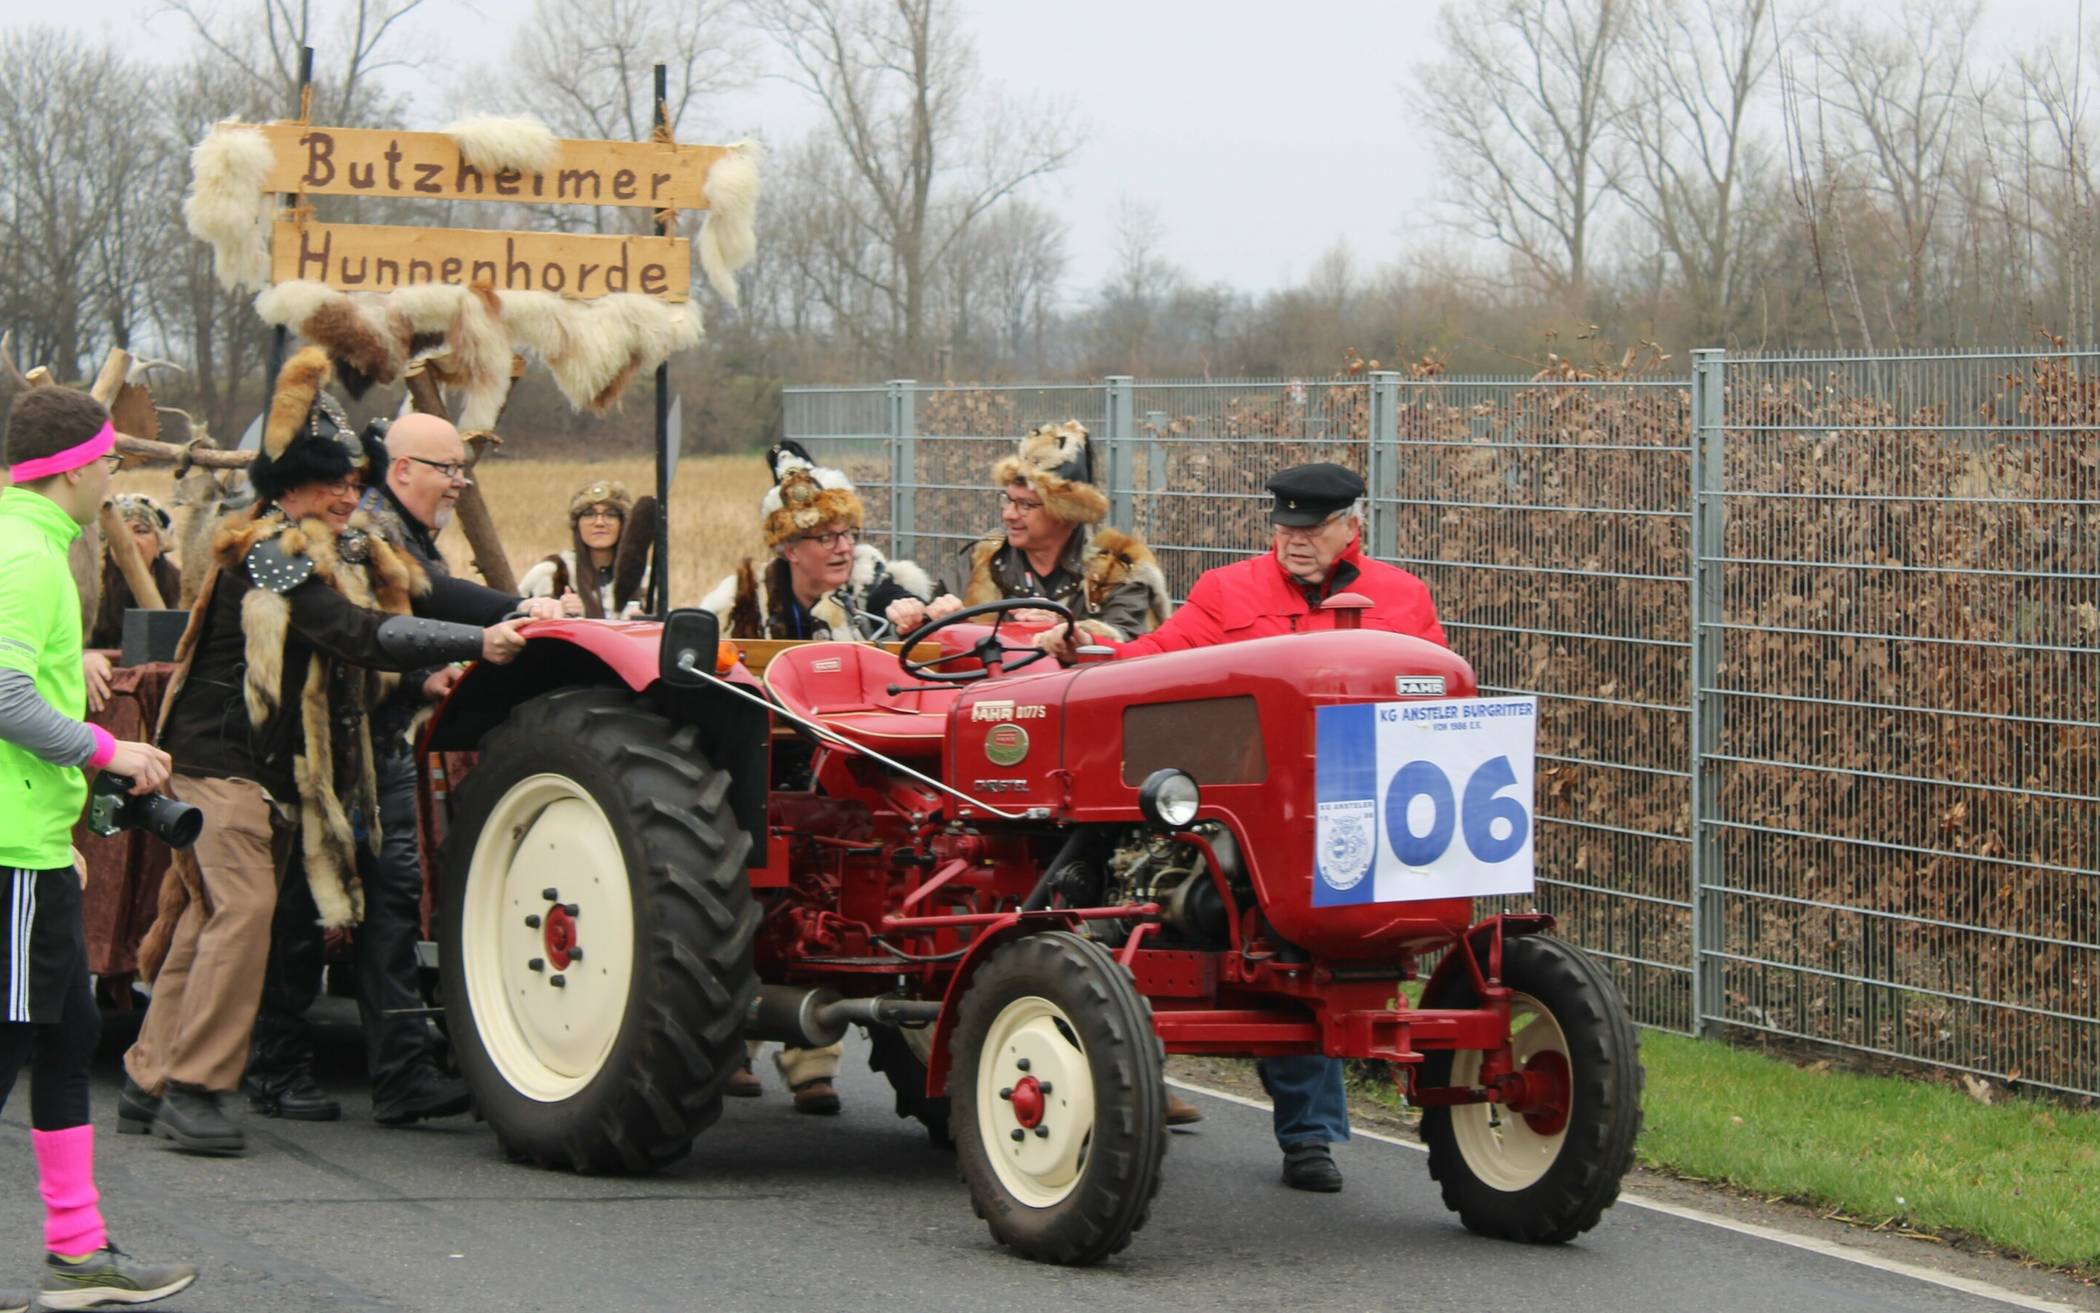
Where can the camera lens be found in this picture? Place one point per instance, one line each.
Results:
(176, 824)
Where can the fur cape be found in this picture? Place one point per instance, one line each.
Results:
(752, 604)
(1108, 559)
(388, 580)
(554, 575)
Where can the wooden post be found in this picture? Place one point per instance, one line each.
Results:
(116, 535)
(110, 381)
(474, 518)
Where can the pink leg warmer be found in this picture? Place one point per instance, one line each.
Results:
(65, 1166)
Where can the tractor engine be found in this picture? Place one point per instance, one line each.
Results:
(1149, 866)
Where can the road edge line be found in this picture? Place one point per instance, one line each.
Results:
(1827, 1248)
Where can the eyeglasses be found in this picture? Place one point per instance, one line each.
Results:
(843, 536)
(114, 463)
(1308, 531)
(600, 513)
(344, 488)
(451, 469)
(1022, 506)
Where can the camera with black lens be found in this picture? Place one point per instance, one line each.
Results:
(112, 806)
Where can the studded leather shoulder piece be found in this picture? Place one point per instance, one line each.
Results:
(272, 568)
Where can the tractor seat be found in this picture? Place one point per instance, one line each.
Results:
(845, 688)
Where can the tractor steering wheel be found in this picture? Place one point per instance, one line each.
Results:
(988, 650)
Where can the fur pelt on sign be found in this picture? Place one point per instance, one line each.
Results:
(727, 239)
(227, 207)
(493, 143)
(594, 349)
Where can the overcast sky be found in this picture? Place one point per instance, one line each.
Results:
(1262, 132)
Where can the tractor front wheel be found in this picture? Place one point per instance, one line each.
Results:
(1057, 1100)
(597, 928)
(1546, 1171)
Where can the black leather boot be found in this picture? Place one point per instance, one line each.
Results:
(193, 1120)
(136, 1109)
(1311, 1167)
(294, 1095)
(424, 1093)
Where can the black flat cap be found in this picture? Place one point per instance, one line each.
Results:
(1308, 494)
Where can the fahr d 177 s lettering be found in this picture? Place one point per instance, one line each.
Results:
(1003, 711)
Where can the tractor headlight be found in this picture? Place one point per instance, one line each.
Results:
(1169, 797)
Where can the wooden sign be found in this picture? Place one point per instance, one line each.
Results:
(427, 166)
(379, 258)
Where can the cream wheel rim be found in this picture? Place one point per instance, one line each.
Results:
(1032, 1046)
(547, 1028)
(1499, 1145)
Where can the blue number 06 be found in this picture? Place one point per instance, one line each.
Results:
(1473, 817)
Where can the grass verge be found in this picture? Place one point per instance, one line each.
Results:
(2017, 1175)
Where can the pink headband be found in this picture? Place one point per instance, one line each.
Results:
(72, 458)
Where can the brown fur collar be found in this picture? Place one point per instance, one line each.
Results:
(751, 606)
(1108, 559)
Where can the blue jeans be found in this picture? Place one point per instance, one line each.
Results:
(1310, 1105)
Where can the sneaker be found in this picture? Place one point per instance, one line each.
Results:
(295, 1096)
(1311, 1167)
(1180, 1112)
(193, 1119)
(14, 1301)
(817, 1097)
(136, 1110)
(109, 1277)
(427, 1094)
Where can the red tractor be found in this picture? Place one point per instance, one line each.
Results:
(1029, 883)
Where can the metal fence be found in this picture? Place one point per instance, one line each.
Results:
(1816, 643)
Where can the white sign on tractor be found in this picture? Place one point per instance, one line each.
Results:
(1424, 800)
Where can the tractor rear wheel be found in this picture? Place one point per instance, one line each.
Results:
(1547, 1173)
(597, 928)
(1059, 1109)
(899, 1055)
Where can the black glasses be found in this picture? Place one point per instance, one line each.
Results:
(451, 469)
(844, 537)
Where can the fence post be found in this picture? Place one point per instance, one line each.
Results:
(1121, 426)
(1709, 416)
(904, 472)
(1155, 468)
(1382, 471)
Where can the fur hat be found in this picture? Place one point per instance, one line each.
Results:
(1056, 461)
(604, 492)
(805, 494)
(306, 436)
(137, 508)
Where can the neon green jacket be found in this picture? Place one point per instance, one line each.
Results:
(40, 637)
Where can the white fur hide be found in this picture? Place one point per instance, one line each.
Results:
(491, 143)
(227, 207)
(726, 241)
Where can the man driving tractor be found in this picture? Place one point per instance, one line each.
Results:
(1315, 552)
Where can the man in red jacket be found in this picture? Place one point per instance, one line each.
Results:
(1315, 551)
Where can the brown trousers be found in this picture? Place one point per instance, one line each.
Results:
(204, 999)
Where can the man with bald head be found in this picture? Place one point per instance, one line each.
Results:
(426, 470)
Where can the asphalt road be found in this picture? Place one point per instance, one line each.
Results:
(778, 1211)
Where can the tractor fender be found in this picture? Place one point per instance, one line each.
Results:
(990, 941)
(1482, 945)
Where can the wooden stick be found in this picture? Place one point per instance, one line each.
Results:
(474, 518)
(116, 535)
(111, 380)
(172, 453)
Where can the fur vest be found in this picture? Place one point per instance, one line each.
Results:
(554, 575)
(759, 604)
(1109, 579)
(330, 741)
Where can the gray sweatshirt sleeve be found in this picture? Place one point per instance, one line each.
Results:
(33, 725)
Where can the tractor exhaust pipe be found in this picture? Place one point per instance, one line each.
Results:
(812, 1018)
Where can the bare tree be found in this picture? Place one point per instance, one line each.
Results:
(1522, 111)
(1132, 304)
(261, 40)
(926, 152)
(1688, 126)
(1899, 95)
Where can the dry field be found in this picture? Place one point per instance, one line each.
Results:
(714, 510)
